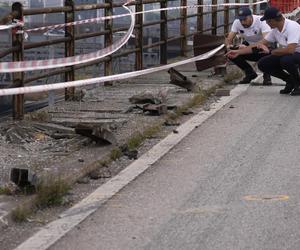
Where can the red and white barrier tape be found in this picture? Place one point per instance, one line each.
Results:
(141, 12)
(70, 61)
(62, 85)
(10, 67)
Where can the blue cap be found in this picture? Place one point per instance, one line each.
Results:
(271, 13)
(244, 12)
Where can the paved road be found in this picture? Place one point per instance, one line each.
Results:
(213, 190)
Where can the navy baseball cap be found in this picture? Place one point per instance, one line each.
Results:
(271, 13)
(244, 12)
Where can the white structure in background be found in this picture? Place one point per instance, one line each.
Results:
(10, 2)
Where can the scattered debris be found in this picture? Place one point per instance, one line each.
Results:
(171, 123)
(144, 98)
(187, 112)
(222, 92)
(96, 133)
(130, 153)
(155, 109)
(182, 81)
(102, 172)
(83, 180)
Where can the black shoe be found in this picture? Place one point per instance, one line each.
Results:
(286, 90)
(267, 80)
(289, 86)
(295, 91)
(248, 78)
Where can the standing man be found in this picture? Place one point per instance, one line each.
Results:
(282, 62)
(252, 29)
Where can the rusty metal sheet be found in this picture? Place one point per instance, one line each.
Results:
(204, 43)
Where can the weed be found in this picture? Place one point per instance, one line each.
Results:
(20, 214)
(114, 154)
(50, 192)
(5, 191)
(135, 141)
(151, 131)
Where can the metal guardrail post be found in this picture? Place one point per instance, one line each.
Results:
(254, 7)
(139, 36)
(183, 27)
(108, 39)
(200, 17)
(214, 18)
(18, 77)
(226, 18)
(70, 48)
(164, 33)
(237, 8)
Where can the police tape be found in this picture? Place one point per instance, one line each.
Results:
(92, 20)
(10, 67)
(78, 83)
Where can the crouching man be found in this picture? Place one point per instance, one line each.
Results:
(252, 30)
(282, 62)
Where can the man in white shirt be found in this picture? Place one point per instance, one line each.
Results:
(282, 62)
(252, 30)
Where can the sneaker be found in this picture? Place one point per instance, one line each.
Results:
(248, 78)
(267, 80)
(295, 91)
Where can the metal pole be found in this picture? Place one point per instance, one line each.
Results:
(70, 48)
(254, 7)
(18, 77)
(139, 36)
(163, 33)
(214, 22)
(108, 40)
(237, 8)
(226, 18)
(200, 17)
(183, 27)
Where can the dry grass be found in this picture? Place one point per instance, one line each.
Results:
(50, 192)
(115, 154)
(20, 214)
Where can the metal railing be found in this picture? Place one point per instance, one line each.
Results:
(69, 9)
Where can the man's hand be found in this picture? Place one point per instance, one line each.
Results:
(242, 46)
(232, 54)
(263, 48)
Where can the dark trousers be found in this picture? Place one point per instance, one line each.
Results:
(241, 62)
(283, 67)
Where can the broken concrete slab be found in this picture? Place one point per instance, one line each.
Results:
(155, 109)
(96, 133)
(222, 92)
(182, 81)
(145, 97)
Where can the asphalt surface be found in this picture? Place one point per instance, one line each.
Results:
(233, 183)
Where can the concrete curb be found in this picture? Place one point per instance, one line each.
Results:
(54, 231)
